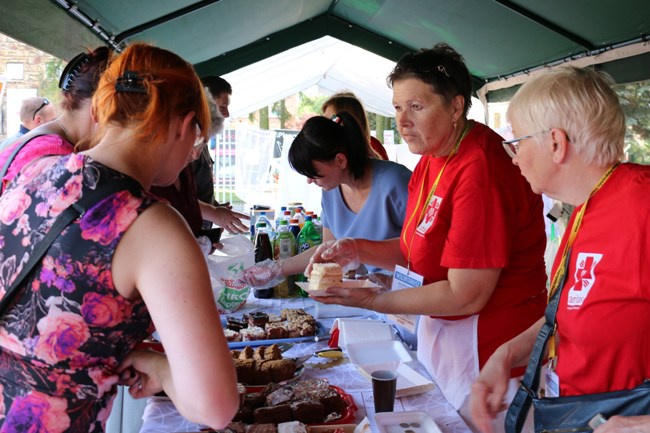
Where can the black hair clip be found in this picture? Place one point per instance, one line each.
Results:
(130, 82)
(71, 70)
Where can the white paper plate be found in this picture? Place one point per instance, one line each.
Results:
(348, 284)
(405, 422)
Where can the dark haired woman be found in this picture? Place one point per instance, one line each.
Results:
(362, 196)
(78, 83)
(474, 230)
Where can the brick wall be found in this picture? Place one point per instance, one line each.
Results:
(34, 62)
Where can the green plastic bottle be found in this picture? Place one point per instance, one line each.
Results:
(285, 246)
(308, 237)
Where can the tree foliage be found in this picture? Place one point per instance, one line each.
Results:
(280, 108)
(635, 100)
(49, 85)
(310, 105)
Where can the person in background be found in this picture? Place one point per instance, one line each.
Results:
(203, 166)
(473, 231)
(347, 101)
(182, 193)
(362, 196)
(570, 128)
(34, 111)
(59, 137)
(116, 271)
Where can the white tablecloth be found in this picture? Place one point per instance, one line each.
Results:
(160, 415)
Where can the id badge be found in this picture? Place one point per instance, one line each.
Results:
(404, 279)
(552, 383)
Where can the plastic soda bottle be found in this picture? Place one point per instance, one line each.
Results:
(294, 227)
(280, 217)
(262, 218)
(319, 225)
(263, 251)
(300, 216)
(285, 246)
(307, 238)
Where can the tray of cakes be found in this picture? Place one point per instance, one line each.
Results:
(284, 427)
(310, 401)
(259, 366)
(261, 329)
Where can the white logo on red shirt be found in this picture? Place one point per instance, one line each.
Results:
(584, 278)
(430, 215)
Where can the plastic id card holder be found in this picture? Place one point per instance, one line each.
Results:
(404, 279)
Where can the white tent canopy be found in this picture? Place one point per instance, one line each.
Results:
(346, 67)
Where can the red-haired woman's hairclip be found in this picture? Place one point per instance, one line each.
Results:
(130, 82)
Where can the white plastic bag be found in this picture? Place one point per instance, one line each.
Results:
(225, 265)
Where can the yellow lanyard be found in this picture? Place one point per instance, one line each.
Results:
(430, 195)
(562, 267)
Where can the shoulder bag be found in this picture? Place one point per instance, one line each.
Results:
(581, 413)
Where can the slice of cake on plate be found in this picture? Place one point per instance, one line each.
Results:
(324, 275)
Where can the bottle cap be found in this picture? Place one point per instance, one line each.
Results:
(294, 221)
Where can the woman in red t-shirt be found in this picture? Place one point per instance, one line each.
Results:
(473, 230)
(571, 130)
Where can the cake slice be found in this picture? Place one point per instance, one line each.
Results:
(324, 275)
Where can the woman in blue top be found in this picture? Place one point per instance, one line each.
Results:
(362, 197)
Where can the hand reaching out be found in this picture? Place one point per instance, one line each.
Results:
(228, 219)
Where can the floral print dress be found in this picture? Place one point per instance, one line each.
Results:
(67, 328)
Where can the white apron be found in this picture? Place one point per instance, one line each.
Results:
(449, 351)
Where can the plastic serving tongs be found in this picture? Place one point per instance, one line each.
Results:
(332, 352)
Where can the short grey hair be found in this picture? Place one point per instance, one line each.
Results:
(579, 101)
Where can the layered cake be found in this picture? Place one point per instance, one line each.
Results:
(324, 275)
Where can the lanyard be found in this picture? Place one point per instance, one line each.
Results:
(432, 191)
(562, 267)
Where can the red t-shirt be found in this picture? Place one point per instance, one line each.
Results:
(378, 148)
(604, 334)
(485, 216)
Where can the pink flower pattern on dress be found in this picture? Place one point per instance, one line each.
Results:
(57, 363)
(61, 335)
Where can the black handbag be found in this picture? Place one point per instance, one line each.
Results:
(71, 213)
(580, 413)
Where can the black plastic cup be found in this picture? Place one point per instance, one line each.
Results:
(384, 385)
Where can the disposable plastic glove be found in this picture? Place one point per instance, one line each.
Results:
(343, 251)
(263, 275)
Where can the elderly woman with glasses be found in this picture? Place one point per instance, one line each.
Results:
(473, 238)
(571, 128)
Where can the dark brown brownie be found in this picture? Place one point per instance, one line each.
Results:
(308, 411)
(273, 414)
(258, 318)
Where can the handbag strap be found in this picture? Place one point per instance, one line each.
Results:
(72, 212)
(518, 410)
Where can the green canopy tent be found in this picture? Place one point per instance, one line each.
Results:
(503, 41)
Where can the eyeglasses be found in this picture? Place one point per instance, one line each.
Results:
(419, 63)
(45, 102)
(511, 145)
